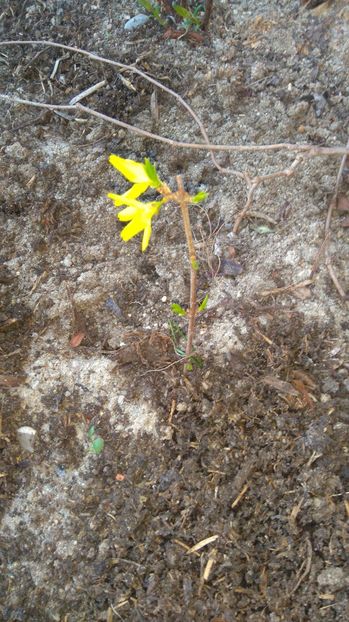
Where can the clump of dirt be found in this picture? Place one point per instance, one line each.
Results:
(221, 494)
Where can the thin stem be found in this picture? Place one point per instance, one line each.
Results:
(309, 150)
(183, 200)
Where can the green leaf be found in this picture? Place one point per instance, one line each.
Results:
(178, 309)
(91, 432)
(188, 367)
(180, 352)
(194, 264)
(97, 445)
(188, 15)
(153, 9)
(200, 196)
(146, 4)
(203, 304)
(152, 174)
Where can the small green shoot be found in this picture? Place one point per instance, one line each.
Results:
(177, 309)
(200, 196)
(154, 9)
(96, 442)
(203, 304)
(97, 445)
(91, 432)
(190, 18)
(152, 174)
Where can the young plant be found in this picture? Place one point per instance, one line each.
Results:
(194, 17)
(190, 18)
(139, 216)
(154, 9)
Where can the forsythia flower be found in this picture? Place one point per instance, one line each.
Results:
(139, 214)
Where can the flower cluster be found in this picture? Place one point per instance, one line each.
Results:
(137, 213)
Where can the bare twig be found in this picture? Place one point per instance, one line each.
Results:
(208, 11)
(325, 245)
(287, 288)
(311, 150)
(183, 199)
(247, 206)
(87, 92)
(257, 181)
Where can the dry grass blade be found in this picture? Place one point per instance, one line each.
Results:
(202, 543)
(240, 495)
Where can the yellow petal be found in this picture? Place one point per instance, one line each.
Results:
(117, 198)
(136, 190)
(133, 171)
(127, 214)
(146, 236)
(133, 228)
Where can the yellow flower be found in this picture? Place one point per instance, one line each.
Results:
(136, 172)
(139, 214)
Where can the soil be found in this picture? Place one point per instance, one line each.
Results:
(221, 494)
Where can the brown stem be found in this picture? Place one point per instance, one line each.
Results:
(207, 15)
(183, 200)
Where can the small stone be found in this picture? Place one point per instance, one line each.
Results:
(258, 71)
(164, 299)
(67, 261)
(330, 386)
(16, 151)
(136, 22)
(298, 110)
(166, 433)
(333, 577)
(26, 437)
(182, 407)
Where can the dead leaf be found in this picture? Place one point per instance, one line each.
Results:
(299, 374)
(307, 398)
(303, 293)
(345, 222)
(280, 385)
(119, 477)
(77, 339)
(195, 37)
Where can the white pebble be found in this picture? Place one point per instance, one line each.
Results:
(26, 437)
(136, 22)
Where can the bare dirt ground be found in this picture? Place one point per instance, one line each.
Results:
(247, 457)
